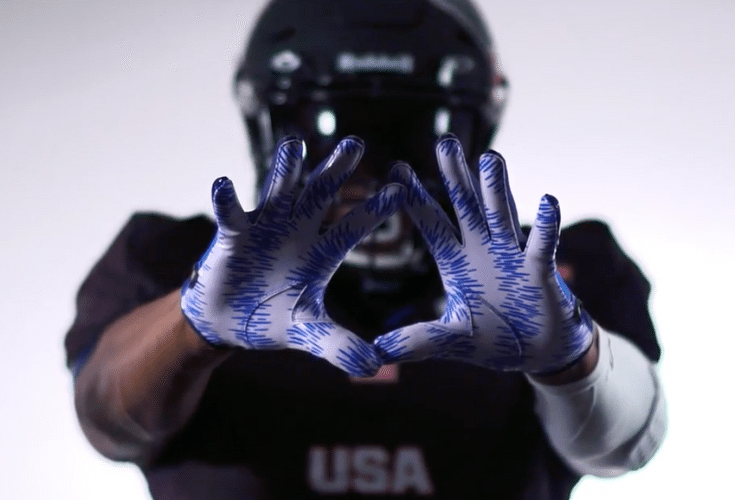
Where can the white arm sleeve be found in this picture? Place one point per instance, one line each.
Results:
(613, 420)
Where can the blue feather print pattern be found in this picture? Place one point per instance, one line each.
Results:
(261, 283)
(507, 307)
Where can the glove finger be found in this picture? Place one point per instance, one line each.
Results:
(439, 233)
(462, 189)
(228, 212)
(276, 195)
(358, 223)
(544, 236)
(500, 209)
(543, 241)
(326, 180)
(338, 346)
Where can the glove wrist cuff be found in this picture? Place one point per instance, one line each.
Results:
(577, 369)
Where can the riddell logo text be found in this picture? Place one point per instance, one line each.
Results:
(368, 470)
(391, 63)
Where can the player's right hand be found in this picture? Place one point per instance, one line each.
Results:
(261, 283)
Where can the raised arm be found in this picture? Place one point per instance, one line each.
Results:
(508, 308)
(143, 381)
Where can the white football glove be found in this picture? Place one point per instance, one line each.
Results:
(261, 283)
(507, 307)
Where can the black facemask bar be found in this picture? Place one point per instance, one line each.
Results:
(393, 129)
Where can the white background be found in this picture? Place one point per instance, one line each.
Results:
(622, 109)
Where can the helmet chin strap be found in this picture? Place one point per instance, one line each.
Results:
(385, 273)
(387, 257)
(403, 253)
(389, 296)
(407, 255)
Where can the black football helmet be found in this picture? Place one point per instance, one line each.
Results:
(396, 73)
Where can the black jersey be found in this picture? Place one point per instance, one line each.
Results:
(287, 425)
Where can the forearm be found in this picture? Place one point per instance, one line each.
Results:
(143, 381)
(611, 421)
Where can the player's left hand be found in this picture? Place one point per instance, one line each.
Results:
(507, 307)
